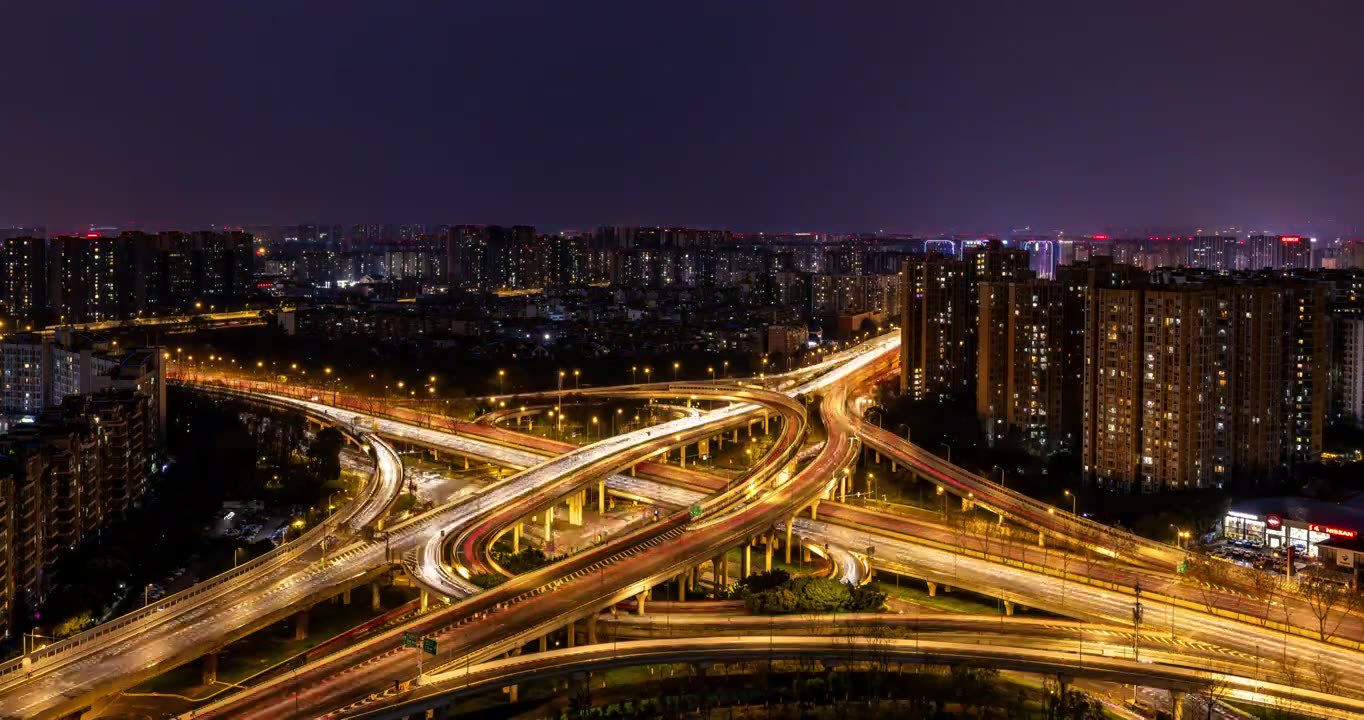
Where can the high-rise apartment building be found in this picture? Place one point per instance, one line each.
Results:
(1112, 408)
(934, 314)
(25, 277)
(1020, 371)
(1180, 370)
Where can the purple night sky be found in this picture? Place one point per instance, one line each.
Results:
(782, 116)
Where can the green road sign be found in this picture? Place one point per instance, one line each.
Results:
(429, 645)
(409, 640)
(1183, 566)
(696, 510)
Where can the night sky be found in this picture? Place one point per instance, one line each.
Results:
(834, 116)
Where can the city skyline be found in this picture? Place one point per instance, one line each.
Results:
(908, 119)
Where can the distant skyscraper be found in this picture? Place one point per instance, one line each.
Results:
(1020, 366)
(25, 264)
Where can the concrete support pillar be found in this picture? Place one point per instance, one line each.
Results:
(512, 693)
(549, 524)
(639, 603)
(805, 552)
(767, 553)
(301, 625)
(601, 497)
(210, 668)
(789, 523)
(878, 457)
(736, 435)
(682, 456)
(1041, 539)
(632, 471)
(345, 596)
(682, 587)
(1177, 704)
(717, 581)
(746, 567)
(814, 510)
(544, 643)
(1009, 608)
(592, 629)
(572, 629)
(932, 589)
(466, 462)
(374, 603)
(764, 423)
(516, 538)
(425, 601)
(893, 467)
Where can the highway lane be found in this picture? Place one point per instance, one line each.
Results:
(1015, 505)
(176, 632)
(507, 616)
(1280, 652)
(1159, 668)
(983, 536)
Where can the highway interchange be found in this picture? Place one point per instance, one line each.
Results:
(491, 623)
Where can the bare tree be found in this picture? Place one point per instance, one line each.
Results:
(1327, 599)
(1268, 590)
(1209, 574)
(1213, 688)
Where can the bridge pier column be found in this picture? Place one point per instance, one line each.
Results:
(549, 524)
(932, 589)
(632, 471)
(345, 596)
(210, 668)
(1177, 704)
(466, 462)
(301, 625)
(746, 567)
(544, 643)
(516, 538)
(789, 523)
(425, 601)
(512, 694)
(764, 423)
(682, 456)
(736, 435)
(767, 554)
(878, 457)
(805, 552)
(592, 629)
(639, 603)
(572, 629)
(374, 603)
(682, 587)
(814, 510)
(601, 497)
(893, 467)
(1009, 608)
(716, 582)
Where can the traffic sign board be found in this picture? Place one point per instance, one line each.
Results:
(409, 639)
(429, 645)
(695, 510)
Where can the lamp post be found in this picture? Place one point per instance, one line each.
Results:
(500, 375)
(1071, 495)
(949, 451)
(726, 370)
(613, 419)
(1001, 475)
(634, 380)
(596, 433)
(560, 406)
(576, 374)
(676, 365)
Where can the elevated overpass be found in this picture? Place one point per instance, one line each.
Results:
(1172, 670)
(185, 625)
(532, 604)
